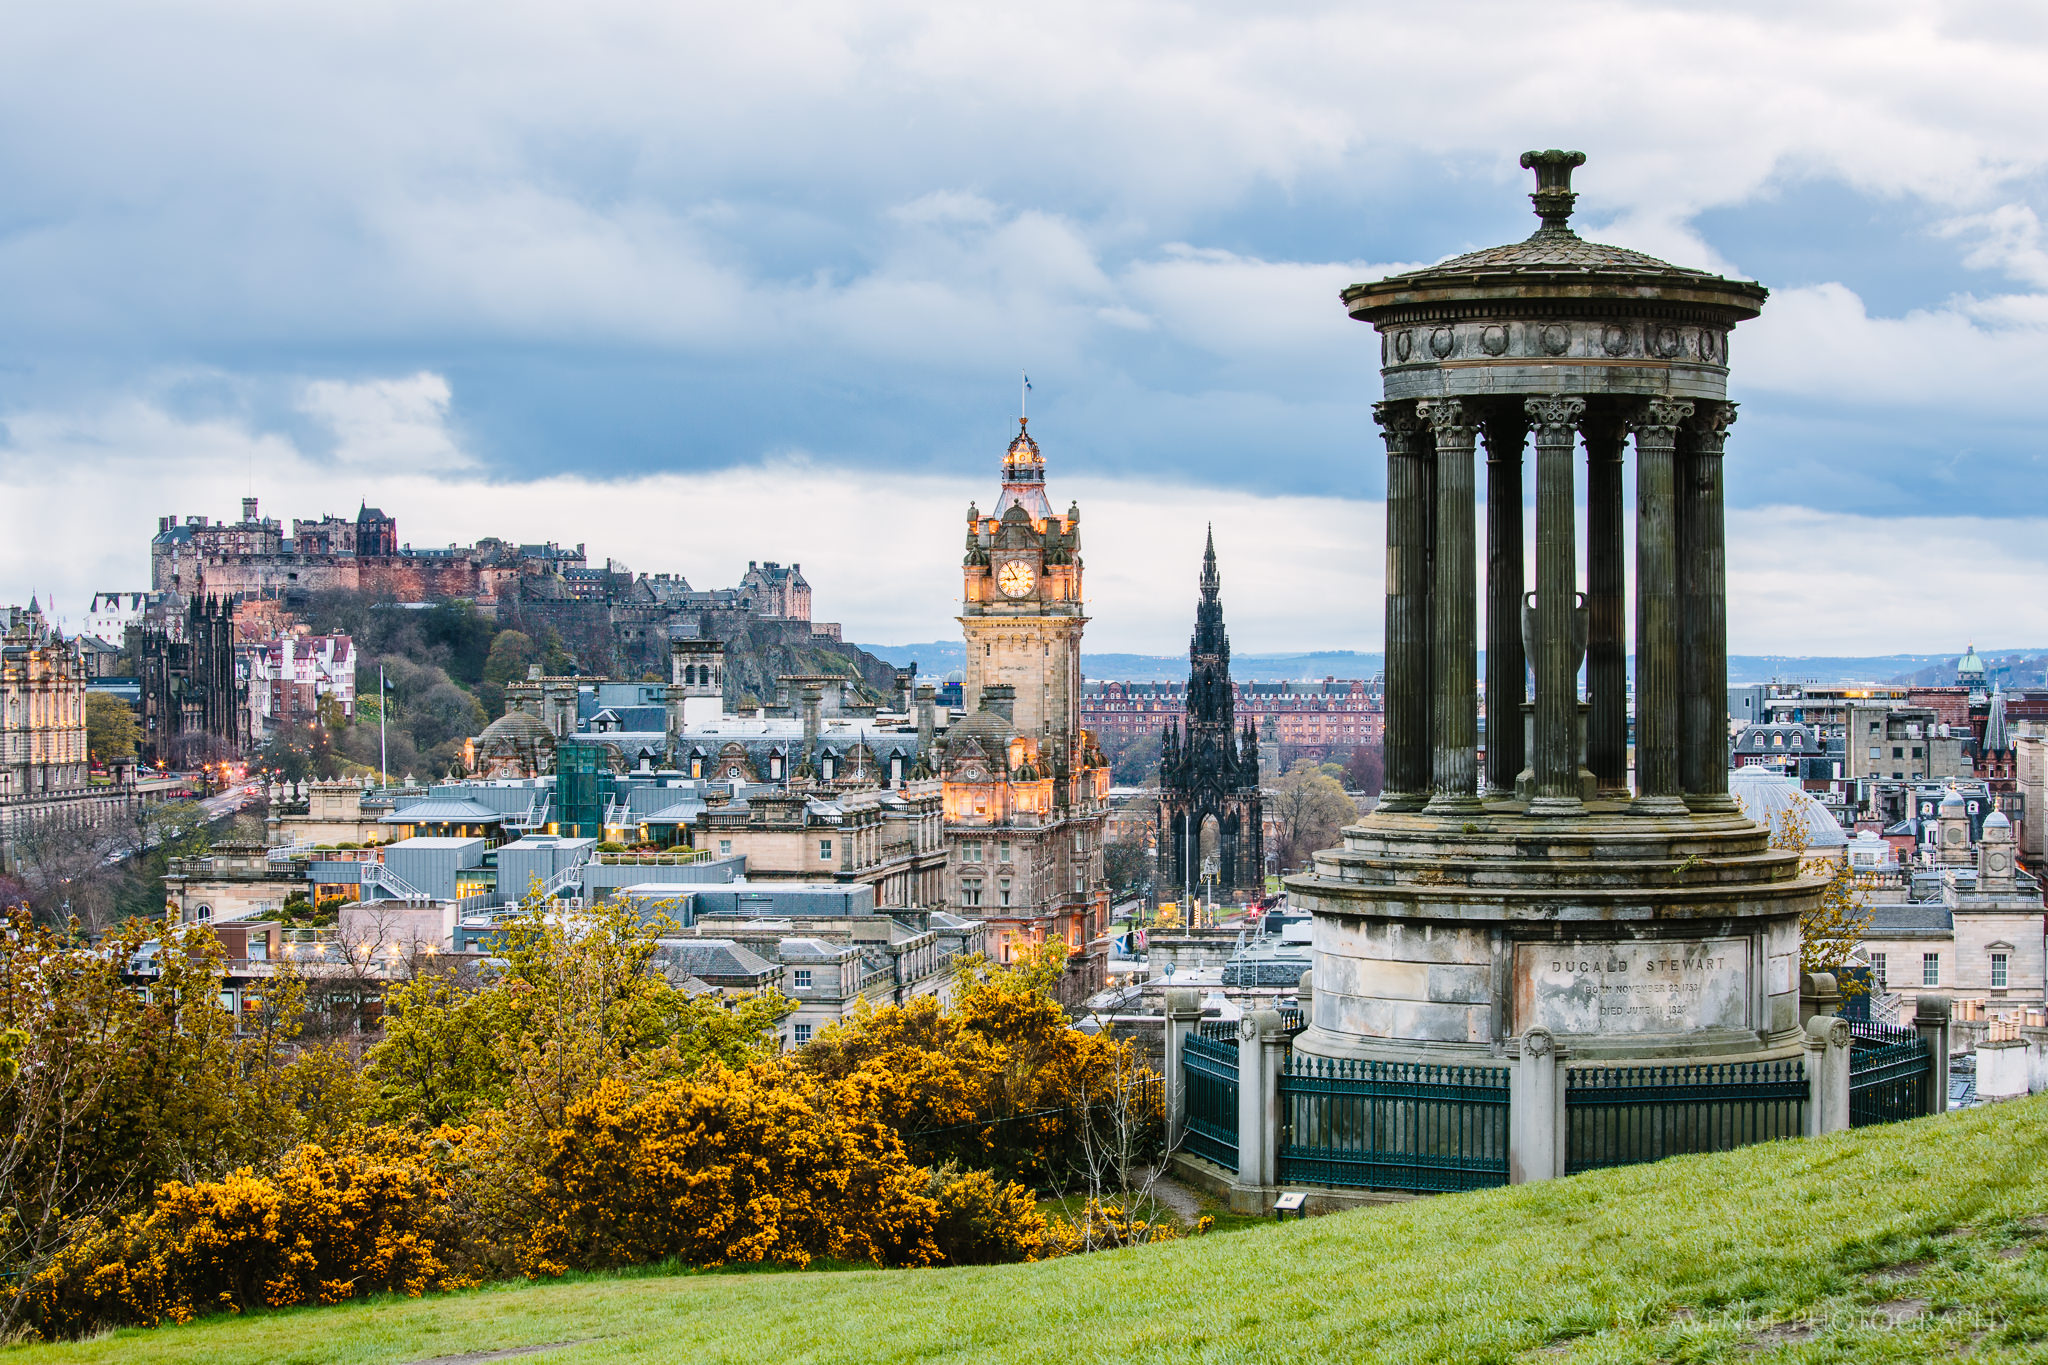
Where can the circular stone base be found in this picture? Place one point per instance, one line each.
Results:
(1625, 935)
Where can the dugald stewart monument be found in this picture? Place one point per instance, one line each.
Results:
(1548, 893)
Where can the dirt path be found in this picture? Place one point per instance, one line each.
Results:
(1176, 1198)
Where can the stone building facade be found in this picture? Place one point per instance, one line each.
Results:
(44, 765)
(1319, 721)
(195, 693)
(1959, 916)
(1026, 789)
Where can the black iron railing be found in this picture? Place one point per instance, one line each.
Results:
(1209, 1078)
(1393, 1125)
(1621, 1115)
(1887, 1074)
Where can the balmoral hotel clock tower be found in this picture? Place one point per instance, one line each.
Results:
(1021, 607)
(1026, 788)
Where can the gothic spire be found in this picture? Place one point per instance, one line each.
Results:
(1209, 637)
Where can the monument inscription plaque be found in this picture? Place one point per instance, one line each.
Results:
(1634, 987)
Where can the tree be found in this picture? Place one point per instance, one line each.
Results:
(110, 730)
(1366, 772)
(444, 712)
(1133, 759)
(512, 653)
(989, 1082)
(70, 869)
(116, 1092)
(1125, 863)
(1309, 807)
(297, 752)
(1830, 929)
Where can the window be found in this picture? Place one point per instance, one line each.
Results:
(825, 850)
(970, 893)
(1005, 852)
(803, 1034)
(1877, 969)
(205, 913)
(970, 853)
(1003, 891)
(803, 978)
(1873, 730)
(1080, 884)
(1998, 972)
(1930, 969)
(1916, 751)
(1898, 752)
(725, 848)
(1874, 752)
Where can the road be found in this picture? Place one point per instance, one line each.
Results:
(231, 800)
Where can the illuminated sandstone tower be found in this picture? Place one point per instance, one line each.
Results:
(1026, 789)
(1627, 913)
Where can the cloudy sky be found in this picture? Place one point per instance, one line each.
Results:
(696, 283)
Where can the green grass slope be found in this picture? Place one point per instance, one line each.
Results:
(1916, 1242)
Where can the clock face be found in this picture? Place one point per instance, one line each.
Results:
(1014, 578)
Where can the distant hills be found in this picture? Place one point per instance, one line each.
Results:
(2012, 667)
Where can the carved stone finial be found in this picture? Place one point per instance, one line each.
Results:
(1537, 1042)
(1553, 198)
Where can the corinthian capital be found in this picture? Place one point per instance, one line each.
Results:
(1395, 417)
(1448, 417)
(1555, 417)
(1660, 417)
(1400, 424)
(1707, 432)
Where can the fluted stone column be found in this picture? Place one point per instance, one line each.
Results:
(1606, 607)
(1656, 426)
(1505, 432)
(1407, 662)
(1455, 762)
(1556, 760)
(1703, 577)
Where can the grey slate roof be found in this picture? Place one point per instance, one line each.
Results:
(709, 959)
(438, 810)
(1891, 920)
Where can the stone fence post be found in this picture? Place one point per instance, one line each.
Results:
(1274, 1047)
(1537, 1132)
(1931, 1021)
(1258, 1096)
(1819, 994)
(1183, 1012)
(1827, 1075)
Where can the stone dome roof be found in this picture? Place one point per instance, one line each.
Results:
(988, 729)
(1952, 803)
(1970, 664)
(513, 727)
(1766, 797)
(1996, 820)
(1556, 264)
